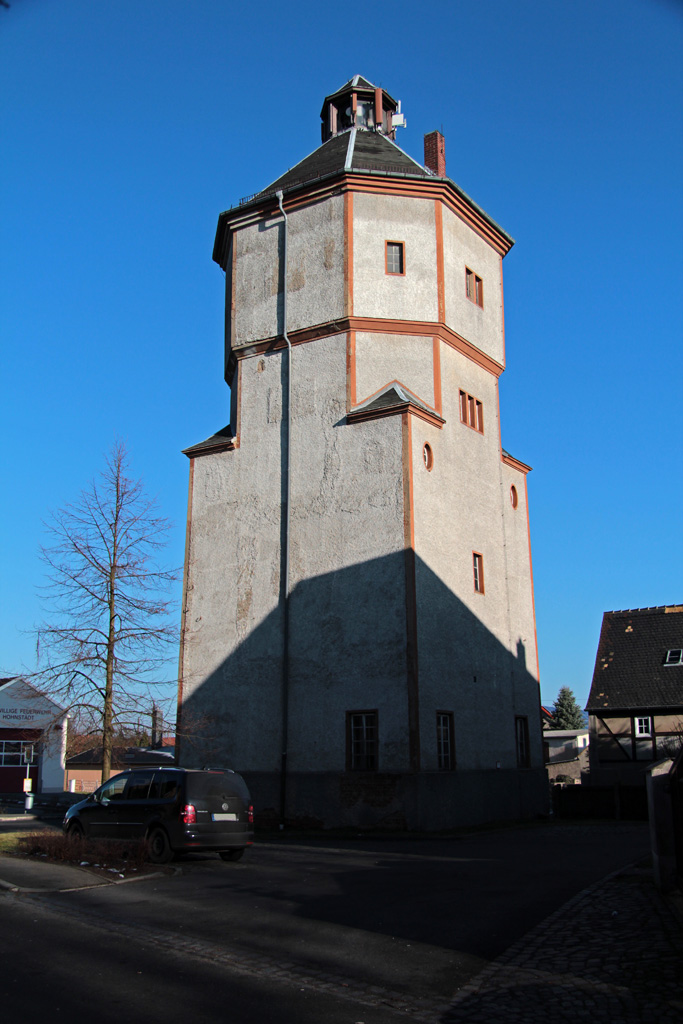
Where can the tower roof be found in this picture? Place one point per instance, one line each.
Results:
(354, 150)
(357, 83)
(359, 121)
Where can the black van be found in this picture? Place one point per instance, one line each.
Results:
(177, 810)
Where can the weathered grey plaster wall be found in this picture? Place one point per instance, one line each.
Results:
(257, 281)
(376, 220)
(346, 563)
(348, 605)
(233, 586)
(381, 358)
(463, 248)
(519, 566)
(469, 654)
(315, 262)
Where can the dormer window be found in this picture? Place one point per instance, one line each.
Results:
(674, 657)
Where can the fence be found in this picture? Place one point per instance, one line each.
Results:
(619, 802)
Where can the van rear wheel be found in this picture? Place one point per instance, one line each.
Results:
(231, 854)
(158, 847)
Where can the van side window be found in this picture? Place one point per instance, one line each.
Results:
(164, 787)
(113, 790)
(138, 786)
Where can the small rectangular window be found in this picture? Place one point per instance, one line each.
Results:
(674, 657)
(395, 263)
(643, 726)
(445, 745)
(474, 287)
(522, 738)
(361, 741)
(10, 752)
(463, 407)
(471, 412)
(478, 568)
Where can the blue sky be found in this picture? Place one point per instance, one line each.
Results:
(126, 128)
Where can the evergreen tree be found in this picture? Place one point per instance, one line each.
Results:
(567, 713)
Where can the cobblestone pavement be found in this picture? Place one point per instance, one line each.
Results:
(612, 955)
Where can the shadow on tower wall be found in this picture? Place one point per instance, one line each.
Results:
(353, 647)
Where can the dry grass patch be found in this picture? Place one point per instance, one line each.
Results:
(110, 856)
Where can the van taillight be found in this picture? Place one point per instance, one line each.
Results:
(250, 814)
(188, 815)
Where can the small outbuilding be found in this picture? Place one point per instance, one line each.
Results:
(567, 757)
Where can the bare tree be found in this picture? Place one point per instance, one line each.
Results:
(110, 635)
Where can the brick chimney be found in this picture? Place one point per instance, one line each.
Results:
(435, 153)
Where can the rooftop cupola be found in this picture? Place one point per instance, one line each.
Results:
(360, 104)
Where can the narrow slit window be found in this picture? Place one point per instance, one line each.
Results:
(478, 571)
(445, 746)
(474, 287)
(395, 258)
(522, 737)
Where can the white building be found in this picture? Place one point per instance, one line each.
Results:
(32, 738)
(358, 635)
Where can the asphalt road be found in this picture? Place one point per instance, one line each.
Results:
(319, 931)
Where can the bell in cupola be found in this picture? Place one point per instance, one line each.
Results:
(358, 104)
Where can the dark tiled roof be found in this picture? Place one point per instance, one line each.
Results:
(393, 396)
(221, 439)
(357, 82)
(629, 668)
(371, 152)
(375, 152)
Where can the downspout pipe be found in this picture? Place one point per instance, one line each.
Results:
(288, 517)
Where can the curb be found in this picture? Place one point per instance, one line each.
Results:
(11, 887)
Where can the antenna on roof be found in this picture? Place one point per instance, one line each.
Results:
(398, 120)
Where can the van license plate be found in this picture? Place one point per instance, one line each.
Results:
(224, 817)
